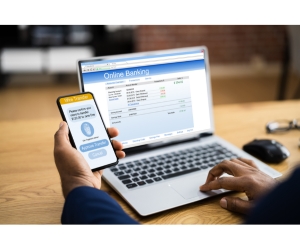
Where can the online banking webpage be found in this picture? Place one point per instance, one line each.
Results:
(151, 98)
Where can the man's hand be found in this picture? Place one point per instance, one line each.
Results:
(73, 169)
(246, 178)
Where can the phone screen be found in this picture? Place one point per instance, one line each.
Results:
(87, 130)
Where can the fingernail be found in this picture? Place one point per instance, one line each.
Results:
(223, 203)
(61, 123)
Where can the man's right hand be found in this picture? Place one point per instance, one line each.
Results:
(246, 178)
(73, 169)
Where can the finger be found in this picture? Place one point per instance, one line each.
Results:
(98, 174)
(235, 204)
(229, 183)
(249, 162)
(61, 137)
(240, 162)
(117, 145)
(113, 132)
(223, 167)
(120, 154)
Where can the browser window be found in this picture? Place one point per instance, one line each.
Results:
(151, 98)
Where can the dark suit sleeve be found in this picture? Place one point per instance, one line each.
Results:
(280, 206)
(87, 205)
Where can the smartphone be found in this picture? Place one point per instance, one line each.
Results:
(87, 131)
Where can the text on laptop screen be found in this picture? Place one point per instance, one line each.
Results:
(151, 98)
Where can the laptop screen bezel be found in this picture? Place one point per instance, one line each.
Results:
(161, 142)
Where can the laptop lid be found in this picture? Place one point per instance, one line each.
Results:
(154, 97)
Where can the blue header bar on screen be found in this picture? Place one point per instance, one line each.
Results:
(143, 71)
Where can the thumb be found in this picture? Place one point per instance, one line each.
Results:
(235, 204)
(61, 136)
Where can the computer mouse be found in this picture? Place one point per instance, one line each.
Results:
(269, 151)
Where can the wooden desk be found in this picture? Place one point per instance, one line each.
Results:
(30, 191)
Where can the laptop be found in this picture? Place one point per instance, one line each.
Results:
(161, 103)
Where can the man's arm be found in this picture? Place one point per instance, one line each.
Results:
(85, 203)
(281, 205)
(268, 201)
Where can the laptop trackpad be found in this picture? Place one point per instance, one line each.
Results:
(188, 188)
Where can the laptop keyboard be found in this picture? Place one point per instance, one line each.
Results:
(162, 167)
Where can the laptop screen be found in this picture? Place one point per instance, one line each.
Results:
(151, 97)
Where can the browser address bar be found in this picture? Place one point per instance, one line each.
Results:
(162, 60)
(140, 62)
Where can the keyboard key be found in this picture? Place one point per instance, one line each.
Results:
(176, 169)
(123, 177)
(122, 168)
(151, 170)
(114, 170)
(119, 173)
(137, 169)
(143, 172)
(132, 185)
(167, 166)
(168, 171)
(159, 168)
(149, 181)
(152, 175)
(204, 166)
(180, 173)
(135, 179)
(127, 181)
(127, 171)
(134, 174)
(144, 177)
(160, 173)
(157, 179)
(211, 164)
(141, 183)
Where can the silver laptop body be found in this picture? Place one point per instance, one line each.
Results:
(155, 101)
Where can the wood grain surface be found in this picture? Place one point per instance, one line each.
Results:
(30, 191)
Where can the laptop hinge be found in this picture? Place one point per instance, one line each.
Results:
(139, 149)
(205, 135)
